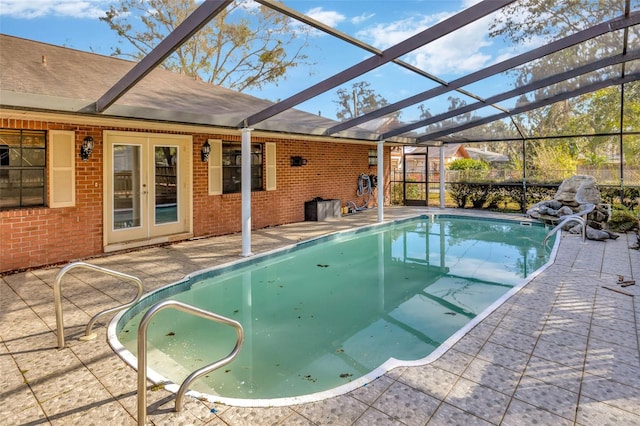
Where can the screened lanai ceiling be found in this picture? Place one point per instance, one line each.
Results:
(480, 97)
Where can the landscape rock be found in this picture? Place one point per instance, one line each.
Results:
(579, 189)
(576, 195)
(594, 234)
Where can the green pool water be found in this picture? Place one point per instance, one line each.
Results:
(325, 313)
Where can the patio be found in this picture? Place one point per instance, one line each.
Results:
(563, 350)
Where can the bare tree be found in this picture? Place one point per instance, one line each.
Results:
(358, 100)
(245, 46)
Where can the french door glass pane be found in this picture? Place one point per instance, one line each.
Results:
(126, 186)
(166, 180)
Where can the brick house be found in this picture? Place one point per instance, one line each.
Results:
(145, 180)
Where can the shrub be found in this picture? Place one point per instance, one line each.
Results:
(622, 219)
(468, 164)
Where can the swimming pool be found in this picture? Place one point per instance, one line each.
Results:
(329, 315)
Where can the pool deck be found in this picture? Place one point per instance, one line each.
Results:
(564, 350)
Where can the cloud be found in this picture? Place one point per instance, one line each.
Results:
(386, 35)
(327, 17)
(516, 49)
(468, 3)
(463, 51)
(21, 9)
(362, 18)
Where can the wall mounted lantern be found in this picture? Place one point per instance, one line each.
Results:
(87, 147)
(205, 151)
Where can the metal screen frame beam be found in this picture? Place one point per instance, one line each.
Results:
(576, 38)
(279, 7)
(435, 32)
(544, 102)
(194, 22)
(590, 67)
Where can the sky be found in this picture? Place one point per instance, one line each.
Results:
(379, 23)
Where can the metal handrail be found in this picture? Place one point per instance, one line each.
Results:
(567, 219)
(57, 297)
(142, 352)
(580, 217)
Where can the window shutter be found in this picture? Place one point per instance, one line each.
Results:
(270, 151)
(62, 182)
(215, 167)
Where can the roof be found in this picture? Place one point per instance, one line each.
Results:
(45, 77)
(450, 150)
(483, 154)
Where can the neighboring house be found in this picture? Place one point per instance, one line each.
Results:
(415, 158)
(164, 159)
(494, 159)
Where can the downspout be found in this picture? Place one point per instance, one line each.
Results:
(245, 186)
(381, 181)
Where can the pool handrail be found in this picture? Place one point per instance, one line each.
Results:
(565, 220)
(57, 298)
(142, 352)
(580, 217)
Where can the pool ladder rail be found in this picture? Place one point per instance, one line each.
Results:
(57, 297)
(580, 217)
(142, 352)
(142, 332)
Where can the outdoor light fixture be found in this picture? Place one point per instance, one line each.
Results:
(205, 151)
(87, 147)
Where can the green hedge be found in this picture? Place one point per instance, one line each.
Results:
(489, 195)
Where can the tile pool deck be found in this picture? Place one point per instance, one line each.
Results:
(563, 350)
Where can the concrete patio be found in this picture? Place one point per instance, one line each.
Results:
(564, 350)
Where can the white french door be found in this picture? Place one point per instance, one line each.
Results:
(147, 186)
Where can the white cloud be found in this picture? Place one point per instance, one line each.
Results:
(42, 8)
(327, 17)
(386, 35)
(468, 3)
(517, 49)
(248, 5)
(463, 51)
(362, 18)
(458, 53)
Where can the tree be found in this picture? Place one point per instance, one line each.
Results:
(525, 20)
(359, 100)
(242, 47)
(601, 113)
(544, 21)
(454, 103)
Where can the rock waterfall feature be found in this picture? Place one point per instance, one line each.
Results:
(579, 196)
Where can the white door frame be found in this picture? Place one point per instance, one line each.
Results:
(146, 231)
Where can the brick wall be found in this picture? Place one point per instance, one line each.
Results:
(40, 236)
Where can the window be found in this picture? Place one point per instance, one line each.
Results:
(22, 168)
(231, 167)
(373, 157)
